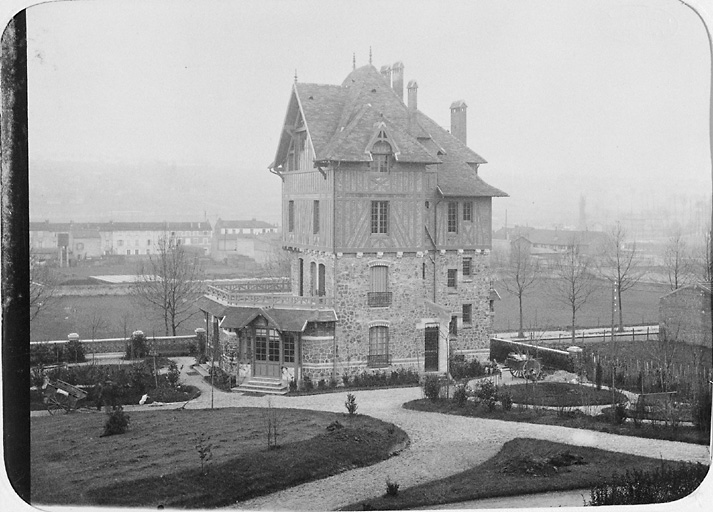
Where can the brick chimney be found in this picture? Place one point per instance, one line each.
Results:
(412, 95)
(386, 73)
(397, 81)
(458, 121)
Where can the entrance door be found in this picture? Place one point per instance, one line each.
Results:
(431, 349)
(267, 353)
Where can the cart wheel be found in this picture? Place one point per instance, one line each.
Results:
(53, 406)
(512, 372)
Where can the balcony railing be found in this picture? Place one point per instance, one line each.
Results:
(268, 299)
(379, 299)
(378, 360)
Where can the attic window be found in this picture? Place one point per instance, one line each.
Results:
(311, 97)
(381, 154)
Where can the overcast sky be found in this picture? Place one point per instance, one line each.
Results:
(607, 98)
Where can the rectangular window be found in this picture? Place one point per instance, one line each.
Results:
(453, 326)
(379, 217)
(468, 211)
(322, 276)
(261, 344)
(380, 163)
(467, 266)
(378, 346)
(119, 243)
(273, 346)
(467, 313)
(136, 251)
(128, 252)
(379, 296)
(452, 278)
(148, 242)
(315, 218)
(291, 216)
(452, 217)
(288, 348)
(148, 251)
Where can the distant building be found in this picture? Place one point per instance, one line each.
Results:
(549, 243)
(68, 242)
(254, 239)
(685, 315)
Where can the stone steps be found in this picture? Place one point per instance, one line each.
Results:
(263, 385)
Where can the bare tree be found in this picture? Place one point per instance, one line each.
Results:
(519, 273)
(573, 281)
(43, 286)
(677, 261)
(169, 281)
(703, 261)
(620, 264)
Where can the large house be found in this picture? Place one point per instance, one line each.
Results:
(387, 226)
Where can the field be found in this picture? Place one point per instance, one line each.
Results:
(157, 461)
(542, 311)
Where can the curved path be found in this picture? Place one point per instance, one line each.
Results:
(441, 445)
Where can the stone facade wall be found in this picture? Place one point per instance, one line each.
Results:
(309, 257)
(685, 315)
(474, 290)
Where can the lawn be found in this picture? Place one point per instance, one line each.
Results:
(522, 466)
(156, 462)
(564, 416)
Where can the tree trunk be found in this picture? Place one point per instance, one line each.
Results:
(520, 333)
(621, 310)
(574, 314)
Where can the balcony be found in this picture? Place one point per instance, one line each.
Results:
(234, 298)
(378, 360)
(379, 299)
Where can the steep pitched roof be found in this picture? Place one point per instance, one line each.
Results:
(341, 122)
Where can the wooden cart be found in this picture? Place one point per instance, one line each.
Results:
(60, 396)
(523, 366)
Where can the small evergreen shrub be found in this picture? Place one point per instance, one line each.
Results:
(307, 383)
(505, 398)
(137, 346)
(322, 384)
(332, 383)
(488, 395)
(598, 372)
(116, 423)
(74, 352)
(432, 387)
(460, 396)
(351, 404)
(345, 380)
(392, 488)
(293, 385)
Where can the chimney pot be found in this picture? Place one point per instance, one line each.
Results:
(386, 73)
(412, 95)
(397, 81)
(458, 121)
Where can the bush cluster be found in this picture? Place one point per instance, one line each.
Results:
(461, 369)
(136, 347)
(432, 387)
(701, 410)
(220, 378)
(46, 354)
(363, 379)
(664, 484)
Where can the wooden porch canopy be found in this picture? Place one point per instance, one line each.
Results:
(281, 319)
(210, 306)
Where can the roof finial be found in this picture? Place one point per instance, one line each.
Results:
(353, 61)
(295, 75)
(370, 55)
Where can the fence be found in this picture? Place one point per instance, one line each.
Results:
(640, 333)
(164, 346)
(647, 375)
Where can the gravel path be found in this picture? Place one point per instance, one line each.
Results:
(441, 445)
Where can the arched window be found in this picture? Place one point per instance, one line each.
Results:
(381, 154)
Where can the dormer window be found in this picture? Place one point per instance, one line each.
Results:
(381, 154)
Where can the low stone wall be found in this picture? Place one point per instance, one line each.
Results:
(165, 345)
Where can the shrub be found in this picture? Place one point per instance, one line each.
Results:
(701, 409)
(75, 352)
(598, 372)
(665, 484)
(460, 396)
(136, 347)
(307, 384)
(392, 488)
(488, 395)
(351, 404)
(173, 374)
(204, 448)
(116, 423)
(432, 387)
(293, 385)
(332, 383)
(322, 384)
(141, 377)
(221, 379)
(345, 380)
(505, 398)
(37, 376)
(461, 369)
(46, 354)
